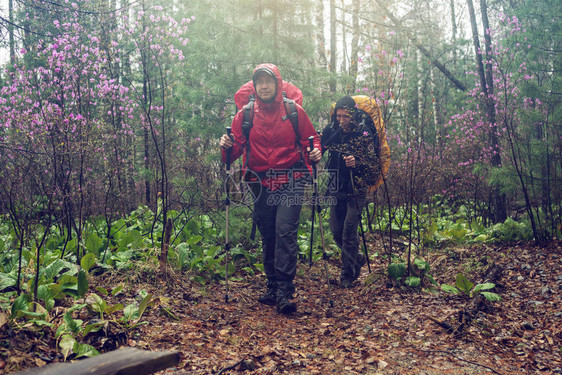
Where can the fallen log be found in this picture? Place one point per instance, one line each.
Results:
(127, 361)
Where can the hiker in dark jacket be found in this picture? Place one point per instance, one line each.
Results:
(347, 187)
(280, 162)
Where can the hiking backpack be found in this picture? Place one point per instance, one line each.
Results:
(373, 153)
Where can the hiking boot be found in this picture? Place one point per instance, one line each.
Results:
(361, 260)
(284, 306)
(345, 283)
(269, 297)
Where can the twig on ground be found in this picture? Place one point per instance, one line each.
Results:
(230, 367)
(461, 359)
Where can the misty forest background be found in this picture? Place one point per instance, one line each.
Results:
(111, 111)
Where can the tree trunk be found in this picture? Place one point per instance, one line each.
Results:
(333, 46)
(354, 46)
(435, 106)
(11, 33)
(342, 22)
(146, 135)
(498, 198)
(454, 30)
(320, 40)
(420, 100)
(165, 246)
(275, 31)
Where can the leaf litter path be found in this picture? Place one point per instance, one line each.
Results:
(373, 328)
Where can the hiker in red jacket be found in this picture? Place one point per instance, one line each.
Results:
(276, 153)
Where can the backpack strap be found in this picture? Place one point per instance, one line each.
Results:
(293, 116)
(247, 124)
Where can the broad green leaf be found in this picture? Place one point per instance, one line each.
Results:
(95, 327)
(481, 238)
(37, 309)
(72, 244)
(421, 264)
(102, 290)
(49, 303)
(115, 291)
(93, 244)
(72, 325)
(463, 284)
(43, 292)
(397, 270)
(71, 290)
(449, 289)
(259, 267)
(82, 283)
(143, 293)
(52, 243)
(20, 305)
(130, 312)
(492, 297)
(66, 344)
(60, 330)
(85, 350)
(76, 307)
(53, 269)
(413, 281)
(6, 281)
(67, 281)
(194, 240)
(33, 314)
(88, 261)
(431, 279)
(72, 268)
(144, 304)
(96, 303)
(485, 286)
(42, 323)
(112, 309)
(132, 238)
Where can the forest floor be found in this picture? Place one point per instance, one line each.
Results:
(375, 327)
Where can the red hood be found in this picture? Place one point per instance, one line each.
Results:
(242, 96)
(279, 90)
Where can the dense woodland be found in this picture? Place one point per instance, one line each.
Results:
(111, 111)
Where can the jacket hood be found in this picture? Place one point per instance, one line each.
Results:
(273, 70)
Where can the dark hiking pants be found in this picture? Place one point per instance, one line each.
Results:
(277, 217)
(345, 216)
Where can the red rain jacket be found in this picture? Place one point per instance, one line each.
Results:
(272, 139)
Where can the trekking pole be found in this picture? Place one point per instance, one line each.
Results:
(360, 213)
(227, 204)
(313, 208)
(316, 207)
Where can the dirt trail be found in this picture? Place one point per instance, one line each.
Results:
(375, 327)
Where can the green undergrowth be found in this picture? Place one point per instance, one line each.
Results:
(35, 284)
